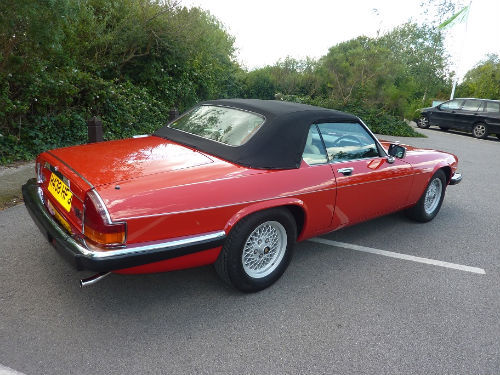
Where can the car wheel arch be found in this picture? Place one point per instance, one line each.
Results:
(295, 206)
(441, 166)
(447, 171)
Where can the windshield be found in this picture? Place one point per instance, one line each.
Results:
(222, 124)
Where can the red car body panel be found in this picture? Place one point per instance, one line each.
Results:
(164, 190)
(201, 258)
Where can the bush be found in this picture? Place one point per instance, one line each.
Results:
(127, 61)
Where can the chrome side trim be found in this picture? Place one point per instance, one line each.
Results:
(225, 205)
(385, 179)
(164, 245)
(375, 138)
(108, 217)
(254, 201)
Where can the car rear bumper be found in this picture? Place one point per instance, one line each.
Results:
(84, 258)
(455, 179)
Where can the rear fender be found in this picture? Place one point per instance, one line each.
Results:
(265, 205)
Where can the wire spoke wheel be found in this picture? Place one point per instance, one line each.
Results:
(431, 199)
(433, 196)
(264, 249)
(258, 250)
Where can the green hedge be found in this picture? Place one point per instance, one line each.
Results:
(125, 110)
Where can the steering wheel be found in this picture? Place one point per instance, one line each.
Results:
(346, 137)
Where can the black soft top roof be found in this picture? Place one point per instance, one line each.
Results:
(279, 142)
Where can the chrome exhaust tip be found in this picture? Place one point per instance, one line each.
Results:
(93, 279)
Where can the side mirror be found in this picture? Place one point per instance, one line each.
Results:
(397, 151)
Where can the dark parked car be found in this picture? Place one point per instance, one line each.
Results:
(479, 116)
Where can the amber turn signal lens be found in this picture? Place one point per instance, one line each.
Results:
(104, 238)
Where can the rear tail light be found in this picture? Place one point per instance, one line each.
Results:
(40, 177)
(98, 226)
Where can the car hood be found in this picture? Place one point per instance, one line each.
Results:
(413, 154)
(385, 144)
(115, 162)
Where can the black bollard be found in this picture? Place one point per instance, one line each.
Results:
(94, 130)
(173, 114)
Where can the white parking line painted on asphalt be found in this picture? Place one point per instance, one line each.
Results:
(8, 371)
(391, 254)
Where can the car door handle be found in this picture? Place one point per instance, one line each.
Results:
(345, 171)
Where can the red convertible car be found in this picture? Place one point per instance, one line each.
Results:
(233, 183)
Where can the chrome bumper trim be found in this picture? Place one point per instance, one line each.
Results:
(153, 246)
(455, 179)
(85, 257)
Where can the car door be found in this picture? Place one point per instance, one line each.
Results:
(491, 116)
(445, 114)
(318, 173)
(469, 113)
(368, 183)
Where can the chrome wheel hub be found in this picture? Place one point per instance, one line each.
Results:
(433, 196)
(264, 249)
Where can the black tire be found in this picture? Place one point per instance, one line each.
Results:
(419, 212)
(444, 128)
(498, 136)
(480, 130)
(423, 122)
(229, 264)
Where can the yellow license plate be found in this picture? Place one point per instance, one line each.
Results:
(60, 191)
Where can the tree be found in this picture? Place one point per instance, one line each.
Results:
(258, 84)
(356, 70)
(128, 61)
(421, 53)
(482, 81)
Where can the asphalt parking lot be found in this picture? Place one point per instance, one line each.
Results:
(337, 310)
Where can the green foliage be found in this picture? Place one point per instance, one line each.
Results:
(130, 61)
(127, 61)
(389, 72)
(259, 84)
(383, 80)
(483, 81)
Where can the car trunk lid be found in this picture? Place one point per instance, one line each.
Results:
(82, 168)
(118, 161)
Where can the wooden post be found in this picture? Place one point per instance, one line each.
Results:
(173, 114)
(94, 130)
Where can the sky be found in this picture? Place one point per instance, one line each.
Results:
(266, 31)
